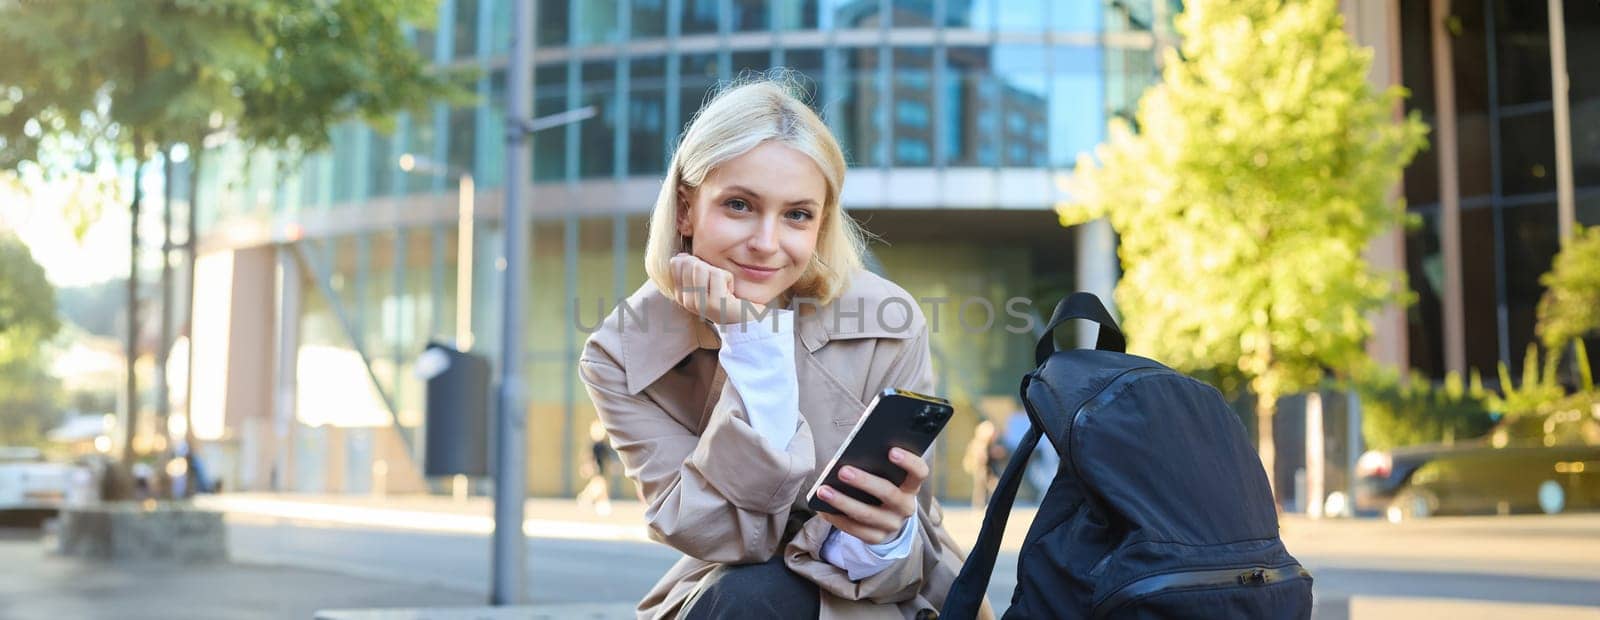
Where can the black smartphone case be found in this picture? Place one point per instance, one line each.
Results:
(895, 418)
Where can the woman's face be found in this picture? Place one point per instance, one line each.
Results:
(757, 217)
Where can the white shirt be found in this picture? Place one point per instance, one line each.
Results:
(758, 357)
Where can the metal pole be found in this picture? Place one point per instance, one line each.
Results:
(1444, 99)
(464, 258)
(1559, 85)
(509, 556)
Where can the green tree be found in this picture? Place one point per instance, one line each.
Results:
(29, 396)
(1570, 307)
(145, 76)
(1261, 169)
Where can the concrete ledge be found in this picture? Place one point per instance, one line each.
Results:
(583, 611)
(1373, 607)
(134, 531)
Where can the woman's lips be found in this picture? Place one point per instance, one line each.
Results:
(757, 274)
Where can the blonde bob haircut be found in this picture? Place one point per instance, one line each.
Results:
(741, 117)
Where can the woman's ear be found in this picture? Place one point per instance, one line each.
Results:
(685, 198)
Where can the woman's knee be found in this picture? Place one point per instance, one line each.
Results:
(769, 590)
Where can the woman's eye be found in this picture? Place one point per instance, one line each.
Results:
(738, 204)
(800, 215)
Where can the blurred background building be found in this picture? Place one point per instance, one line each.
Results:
(321, 280)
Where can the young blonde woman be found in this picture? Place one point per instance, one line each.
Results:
(729, 379)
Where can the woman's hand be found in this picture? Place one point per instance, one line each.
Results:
(876, 525)
(707, 291)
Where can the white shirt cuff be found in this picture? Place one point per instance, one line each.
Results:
(861, 560)
(758, 357)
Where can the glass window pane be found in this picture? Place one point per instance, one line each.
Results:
(1530, 241)
(552, 23)
(463, 143)
(1082, 16)
(1077, 103)
(344, 159)
(912, 13)
(913, 107)
(1022, 15)
(857, 14)
(751, 62)
(649, 19)
(381, 164)
(490, 170)
(697, 74)
(420, 142)
(1425, 274)
(597, 23)
(971, 109)
(1123, 16)
(808, 73)
(751, 15)
(858, 124)
(647, 116)
(1023, 87)
(700, 16)
(500, 26)
(465, 28)
(1479, 312)
(974, 14)
(1528, 153)
(798, 14)
(1586, 139)
(550, 146)
(1522, 39)
(426, 41)
(597, 136)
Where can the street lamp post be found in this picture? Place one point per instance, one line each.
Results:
(508, 558)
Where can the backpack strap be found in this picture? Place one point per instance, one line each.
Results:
(966, 594)
(1080, 306)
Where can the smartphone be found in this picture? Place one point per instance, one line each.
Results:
(894, 419)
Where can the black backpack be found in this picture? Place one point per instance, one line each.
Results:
(1160, 508)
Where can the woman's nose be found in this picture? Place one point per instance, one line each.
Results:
(765, 236)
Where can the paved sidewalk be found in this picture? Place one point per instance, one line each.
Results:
(36, 583)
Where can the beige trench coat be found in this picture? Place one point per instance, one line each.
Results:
(715, 489)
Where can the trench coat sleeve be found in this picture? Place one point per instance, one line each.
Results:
(909, 369)
(720, 496)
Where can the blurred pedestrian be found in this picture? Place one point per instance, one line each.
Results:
(597, 492)
(983, 458)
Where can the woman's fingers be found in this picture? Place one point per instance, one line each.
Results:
(894, 498)
(867, 534)
(871, 516)
(916, 469)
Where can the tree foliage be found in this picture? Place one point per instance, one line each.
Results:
(1261, 170)
(28, 395)
(1570, 307)
(1404, 410)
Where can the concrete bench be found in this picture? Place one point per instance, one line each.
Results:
(554, 611)
(176, 532)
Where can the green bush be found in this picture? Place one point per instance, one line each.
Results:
(1399, 412)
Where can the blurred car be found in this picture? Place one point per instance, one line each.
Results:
(1546, 463)
(29, 483)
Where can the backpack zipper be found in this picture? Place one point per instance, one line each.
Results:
(1254, 576)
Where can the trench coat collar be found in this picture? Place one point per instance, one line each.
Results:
(657, 333)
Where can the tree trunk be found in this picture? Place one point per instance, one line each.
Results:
(132, 396)
(192, 241)
(163, 400)
(1266, 408)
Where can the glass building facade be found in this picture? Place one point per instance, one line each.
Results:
(1500, 80)
(956, 117)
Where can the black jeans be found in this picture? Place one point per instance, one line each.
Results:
(766, 590)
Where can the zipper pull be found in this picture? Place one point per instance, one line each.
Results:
(1253, 577)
